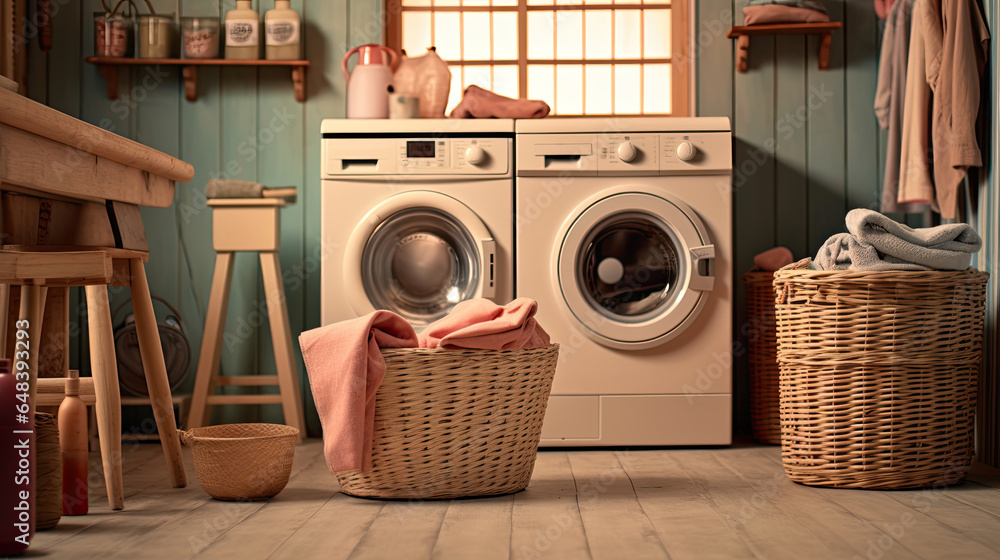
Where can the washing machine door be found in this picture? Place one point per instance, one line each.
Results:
(634, 268)
(418, 254)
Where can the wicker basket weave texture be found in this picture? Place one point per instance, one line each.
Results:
(48, 472)
(878, 375)
(242, 461)
(765, 418)
(456, 423)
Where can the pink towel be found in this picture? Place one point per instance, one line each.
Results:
(480, 323)
(480, 103)
(345, 370)
(773, 259)
(777, 13)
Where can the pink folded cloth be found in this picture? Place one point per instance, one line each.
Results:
(773, 259)
(480, 323)
(480, 103)
(777, 13)
(345, 370)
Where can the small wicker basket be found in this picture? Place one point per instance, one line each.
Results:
(765, 419)
(242, 461)
(456, 423)
(878, 375)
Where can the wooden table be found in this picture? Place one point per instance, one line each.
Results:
(71, 187)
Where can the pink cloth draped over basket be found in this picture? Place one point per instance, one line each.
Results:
(345, 365)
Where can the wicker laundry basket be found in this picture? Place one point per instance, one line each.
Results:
(763, 348)
(878, 375)
(456, 423)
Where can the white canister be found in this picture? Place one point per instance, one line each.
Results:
(403, 106)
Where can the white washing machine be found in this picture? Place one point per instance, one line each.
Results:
(624, 237)
(416, 216)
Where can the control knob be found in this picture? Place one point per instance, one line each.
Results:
(475, 155)
(626, 151)
(686, 151)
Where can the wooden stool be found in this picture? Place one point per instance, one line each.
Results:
(36, 267)
(247, 224)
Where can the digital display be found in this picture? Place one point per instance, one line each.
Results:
(420, 149)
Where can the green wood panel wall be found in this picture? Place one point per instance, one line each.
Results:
(807, 149)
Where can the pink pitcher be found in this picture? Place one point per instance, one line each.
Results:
(367, 85)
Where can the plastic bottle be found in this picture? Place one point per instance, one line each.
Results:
(73, 441)
(282, 32)
(17, 466)
(242, 32)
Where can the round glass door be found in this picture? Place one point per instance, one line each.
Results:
(419, 263)
(633, 267)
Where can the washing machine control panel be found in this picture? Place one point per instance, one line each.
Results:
(417, 156)
(631, 154)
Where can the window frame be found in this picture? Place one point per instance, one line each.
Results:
(680, 67)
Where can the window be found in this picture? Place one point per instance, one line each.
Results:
(598, 57)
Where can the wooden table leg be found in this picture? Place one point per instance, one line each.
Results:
(104, 366)
(31, 311)
(156, 373)
(281, 338)
(211, 340)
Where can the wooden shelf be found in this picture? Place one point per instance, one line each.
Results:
(109, 68)
(742, 35)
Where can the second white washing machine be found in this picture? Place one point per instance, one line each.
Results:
(624, 237)
(416, 216)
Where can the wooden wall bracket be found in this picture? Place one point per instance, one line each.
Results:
(742, 35)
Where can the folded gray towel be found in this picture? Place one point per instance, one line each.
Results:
(879, 243)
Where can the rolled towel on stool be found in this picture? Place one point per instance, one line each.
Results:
(234, 188)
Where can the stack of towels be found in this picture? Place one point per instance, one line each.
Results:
(876, 242)
(760, 12)
(345, 365)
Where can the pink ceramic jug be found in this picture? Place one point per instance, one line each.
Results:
(368, 84)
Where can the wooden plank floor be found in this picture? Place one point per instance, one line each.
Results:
(678, 504)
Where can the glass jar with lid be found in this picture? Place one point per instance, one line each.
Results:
(200, 37)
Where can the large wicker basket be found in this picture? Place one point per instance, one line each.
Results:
(765, 419)
(456, 423)
(878, 375)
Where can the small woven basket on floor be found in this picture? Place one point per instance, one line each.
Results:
(456, 423)
(878, 375)
(242, 461)
(762, 344)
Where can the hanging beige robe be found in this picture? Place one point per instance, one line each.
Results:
(916, 182)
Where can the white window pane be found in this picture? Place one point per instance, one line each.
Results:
(598, 89)
(656, 88)
(505, 80)
(627, 86)
(455, 93)
(475, 2)
(627, 30)
(623, 1)
(446, 2)
(569, 34)
(656, 35)
(540, 2)
(569, 89)
(541, 83)
(505, 36)
(446, 35)
(477, 75)
(505, 2)
(540, 35)
(416, 2)
(653, 2)
(598, 34)
(476, 35)
(416, 32)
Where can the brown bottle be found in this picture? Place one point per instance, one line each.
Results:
(73, 441)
